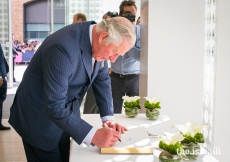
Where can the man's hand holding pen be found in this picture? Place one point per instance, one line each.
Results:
(108, 135)
(114, 126)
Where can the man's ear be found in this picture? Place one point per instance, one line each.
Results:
(103, 36)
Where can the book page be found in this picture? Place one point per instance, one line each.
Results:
(134, 141)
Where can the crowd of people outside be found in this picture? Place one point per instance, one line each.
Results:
(31, 45)
(23, 51)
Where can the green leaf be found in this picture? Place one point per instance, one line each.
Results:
(198, 138)
(157, 105)
(173, 149)
(132, 104)
(152, 105)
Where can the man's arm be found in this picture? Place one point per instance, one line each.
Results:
(135, 51)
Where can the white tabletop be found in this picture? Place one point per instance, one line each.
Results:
(163, 124)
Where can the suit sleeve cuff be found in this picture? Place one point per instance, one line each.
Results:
(88, 139)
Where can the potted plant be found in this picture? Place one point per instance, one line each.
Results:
(131, 105)
(192, 138)
(171, 144)
(152, 106)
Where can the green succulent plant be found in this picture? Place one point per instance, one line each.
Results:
(131, 102)
(152, 103)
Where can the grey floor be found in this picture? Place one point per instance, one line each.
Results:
(6, 106)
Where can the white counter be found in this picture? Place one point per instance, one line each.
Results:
(157, 127)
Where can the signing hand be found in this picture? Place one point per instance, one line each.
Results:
(105, 137)
(115, 126)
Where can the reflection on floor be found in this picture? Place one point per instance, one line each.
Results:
(11, 147)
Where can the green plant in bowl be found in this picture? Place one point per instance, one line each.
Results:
(152, 106)
(192, 138)
(131, 105)
(171, 144)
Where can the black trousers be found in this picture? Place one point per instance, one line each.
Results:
(58, 154)
(123, 86)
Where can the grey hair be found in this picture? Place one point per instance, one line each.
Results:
(117, 31)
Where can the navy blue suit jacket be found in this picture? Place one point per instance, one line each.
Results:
(59, 74)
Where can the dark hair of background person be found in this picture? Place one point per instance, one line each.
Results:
(110, 14)
(79, 16)
(126, 3)
(106, 15)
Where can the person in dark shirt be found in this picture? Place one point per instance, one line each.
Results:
(3, 86)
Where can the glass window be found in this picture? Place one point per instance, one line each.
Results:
(58, 26)
(37, 27)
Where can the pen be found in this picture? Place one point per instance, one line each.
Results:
(118, 138)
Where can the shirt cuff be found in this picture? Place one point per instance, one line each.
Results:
(105, 118)
(88, 139)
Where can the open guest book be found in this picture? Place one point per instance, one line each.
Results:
(133, 141)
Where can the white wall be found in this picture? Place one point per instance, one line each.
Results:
(175, 57)
(111, 5)
(175, 64)
(222, 90)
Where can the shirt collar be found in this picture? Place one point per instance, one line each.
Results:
(90, 37)
(91, 32)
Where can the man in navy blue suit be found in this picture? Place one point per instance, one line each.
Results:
(3, 86)
(45, 111)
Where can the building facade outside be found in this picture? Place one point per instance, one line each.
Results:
(36, 19)
(18, 18)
